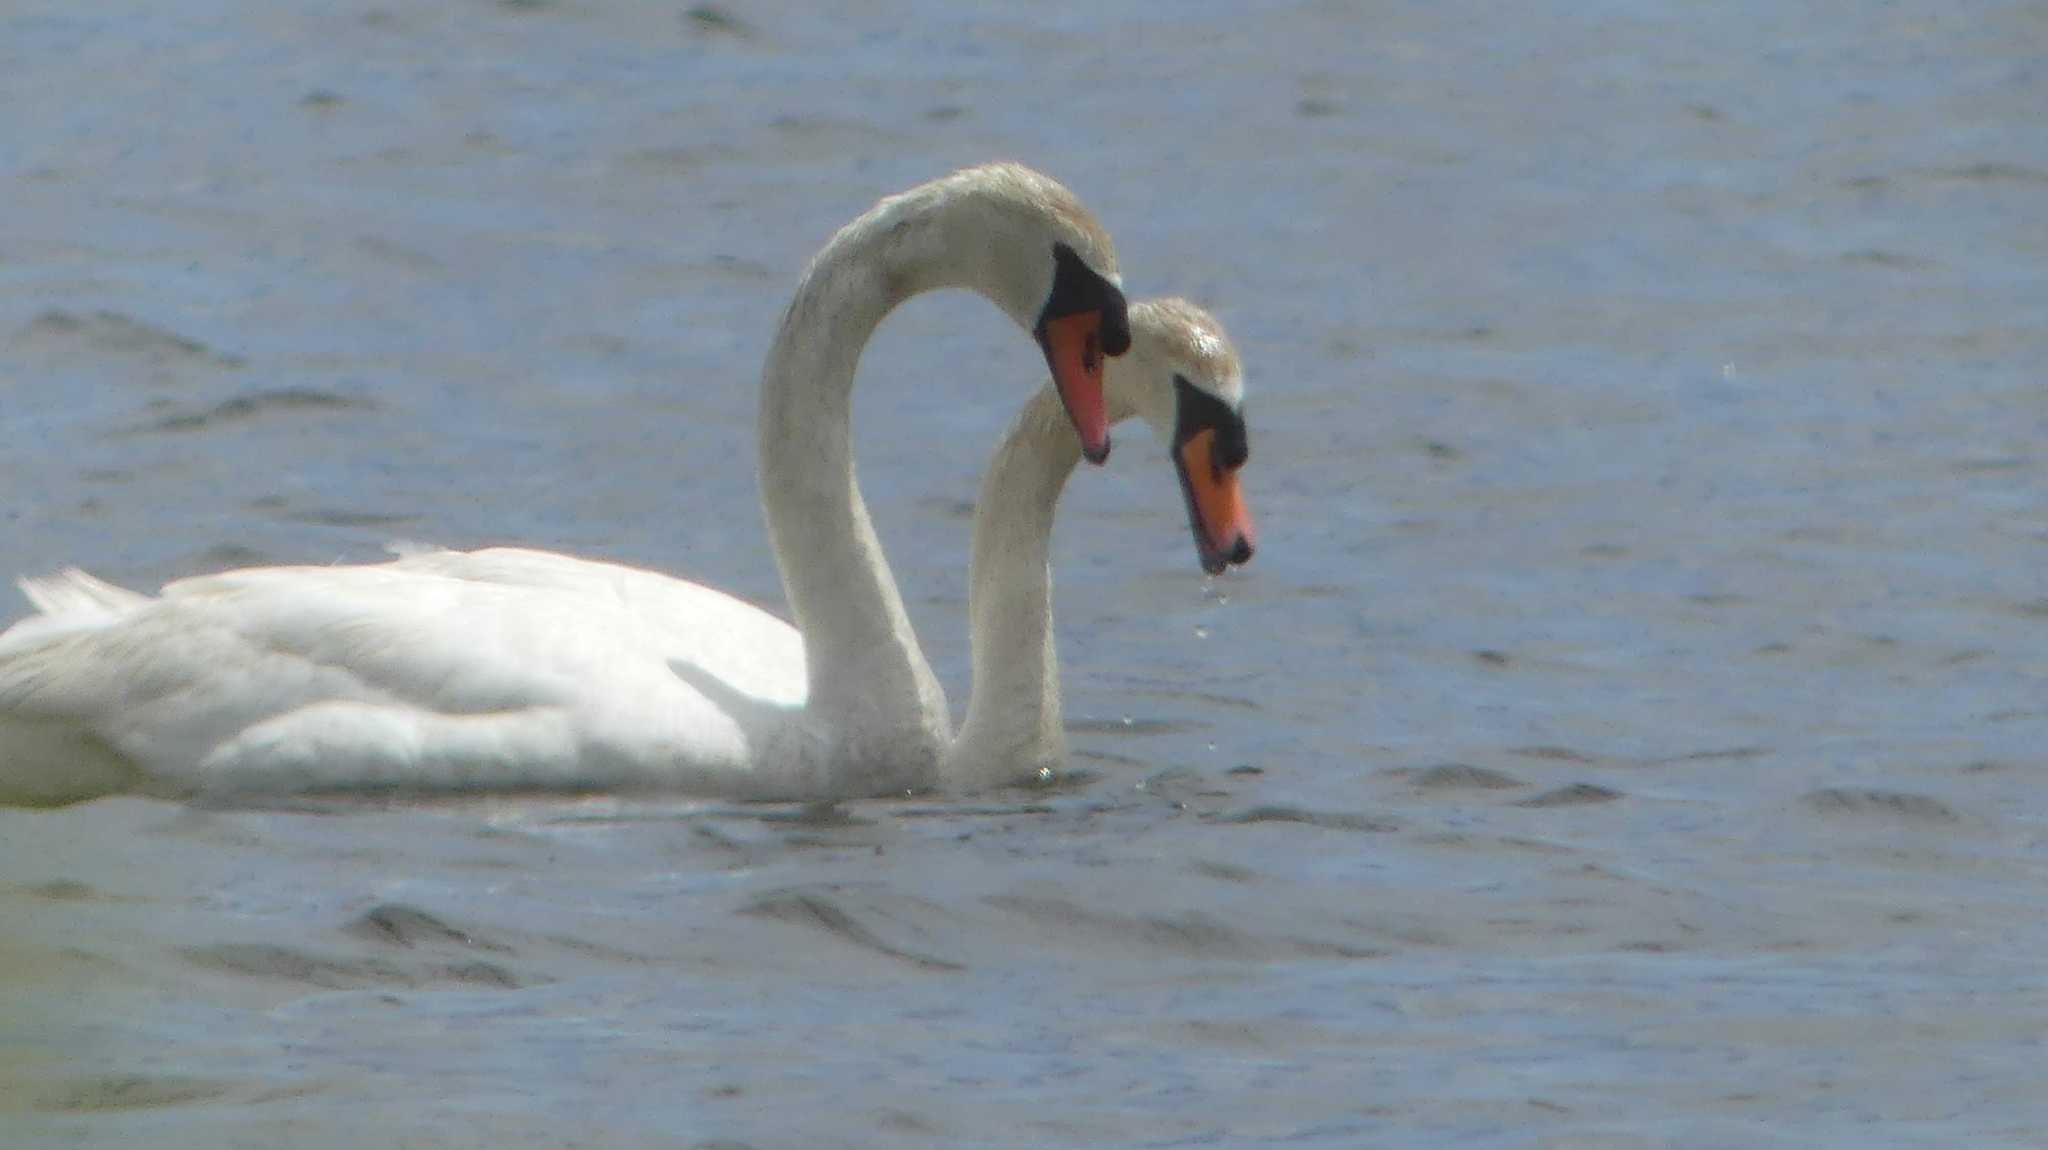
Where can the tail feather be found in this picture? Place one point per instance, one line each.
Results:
(52, 763)
(49, 757)
(72, 592)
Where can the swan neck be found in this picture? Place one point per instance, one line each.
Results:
(1013, 725)
(872, 695)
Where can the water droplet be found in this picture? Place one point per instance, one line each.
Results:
(1201, 632)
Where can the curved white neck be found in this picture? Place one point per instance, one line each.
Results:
(873, 698)
(1013, 722)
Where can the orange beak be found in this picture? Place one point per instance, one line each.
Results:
(1073, 350)
(1216, 510)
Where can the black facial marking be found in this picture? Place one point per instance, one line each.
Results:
(1076, 288)
(1196, 411)
(1116, 322)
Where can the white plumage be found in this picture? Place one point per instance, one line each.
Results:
(507, 669)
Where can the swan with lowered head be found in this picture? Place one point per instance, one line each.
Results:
(505, 669)
(1182, 377)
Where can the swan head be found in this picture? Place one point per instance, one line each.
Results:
(1183, 378)
(1046, 261)
(1083, 319)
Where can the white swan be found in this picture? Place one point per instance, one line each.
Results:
(517, 669)
(1182, 377)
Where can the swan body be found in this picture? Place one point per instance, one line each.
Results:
(509, 669)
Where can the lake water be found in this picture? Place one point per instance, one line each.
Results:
(1630, 734)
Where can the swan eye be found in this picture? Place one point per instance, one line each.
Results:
(1197, 411)
(1078, 288)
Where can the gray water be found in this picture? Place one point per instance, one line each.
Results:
(1630, 733)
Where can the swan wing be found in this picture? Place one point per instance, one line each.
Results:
(702, 627)
(434, 672)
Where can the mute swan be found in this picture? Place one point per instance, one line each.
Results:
(1182, 377)
(505, 668)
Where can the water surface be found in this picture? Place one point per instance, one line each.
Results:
(1629, 733)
